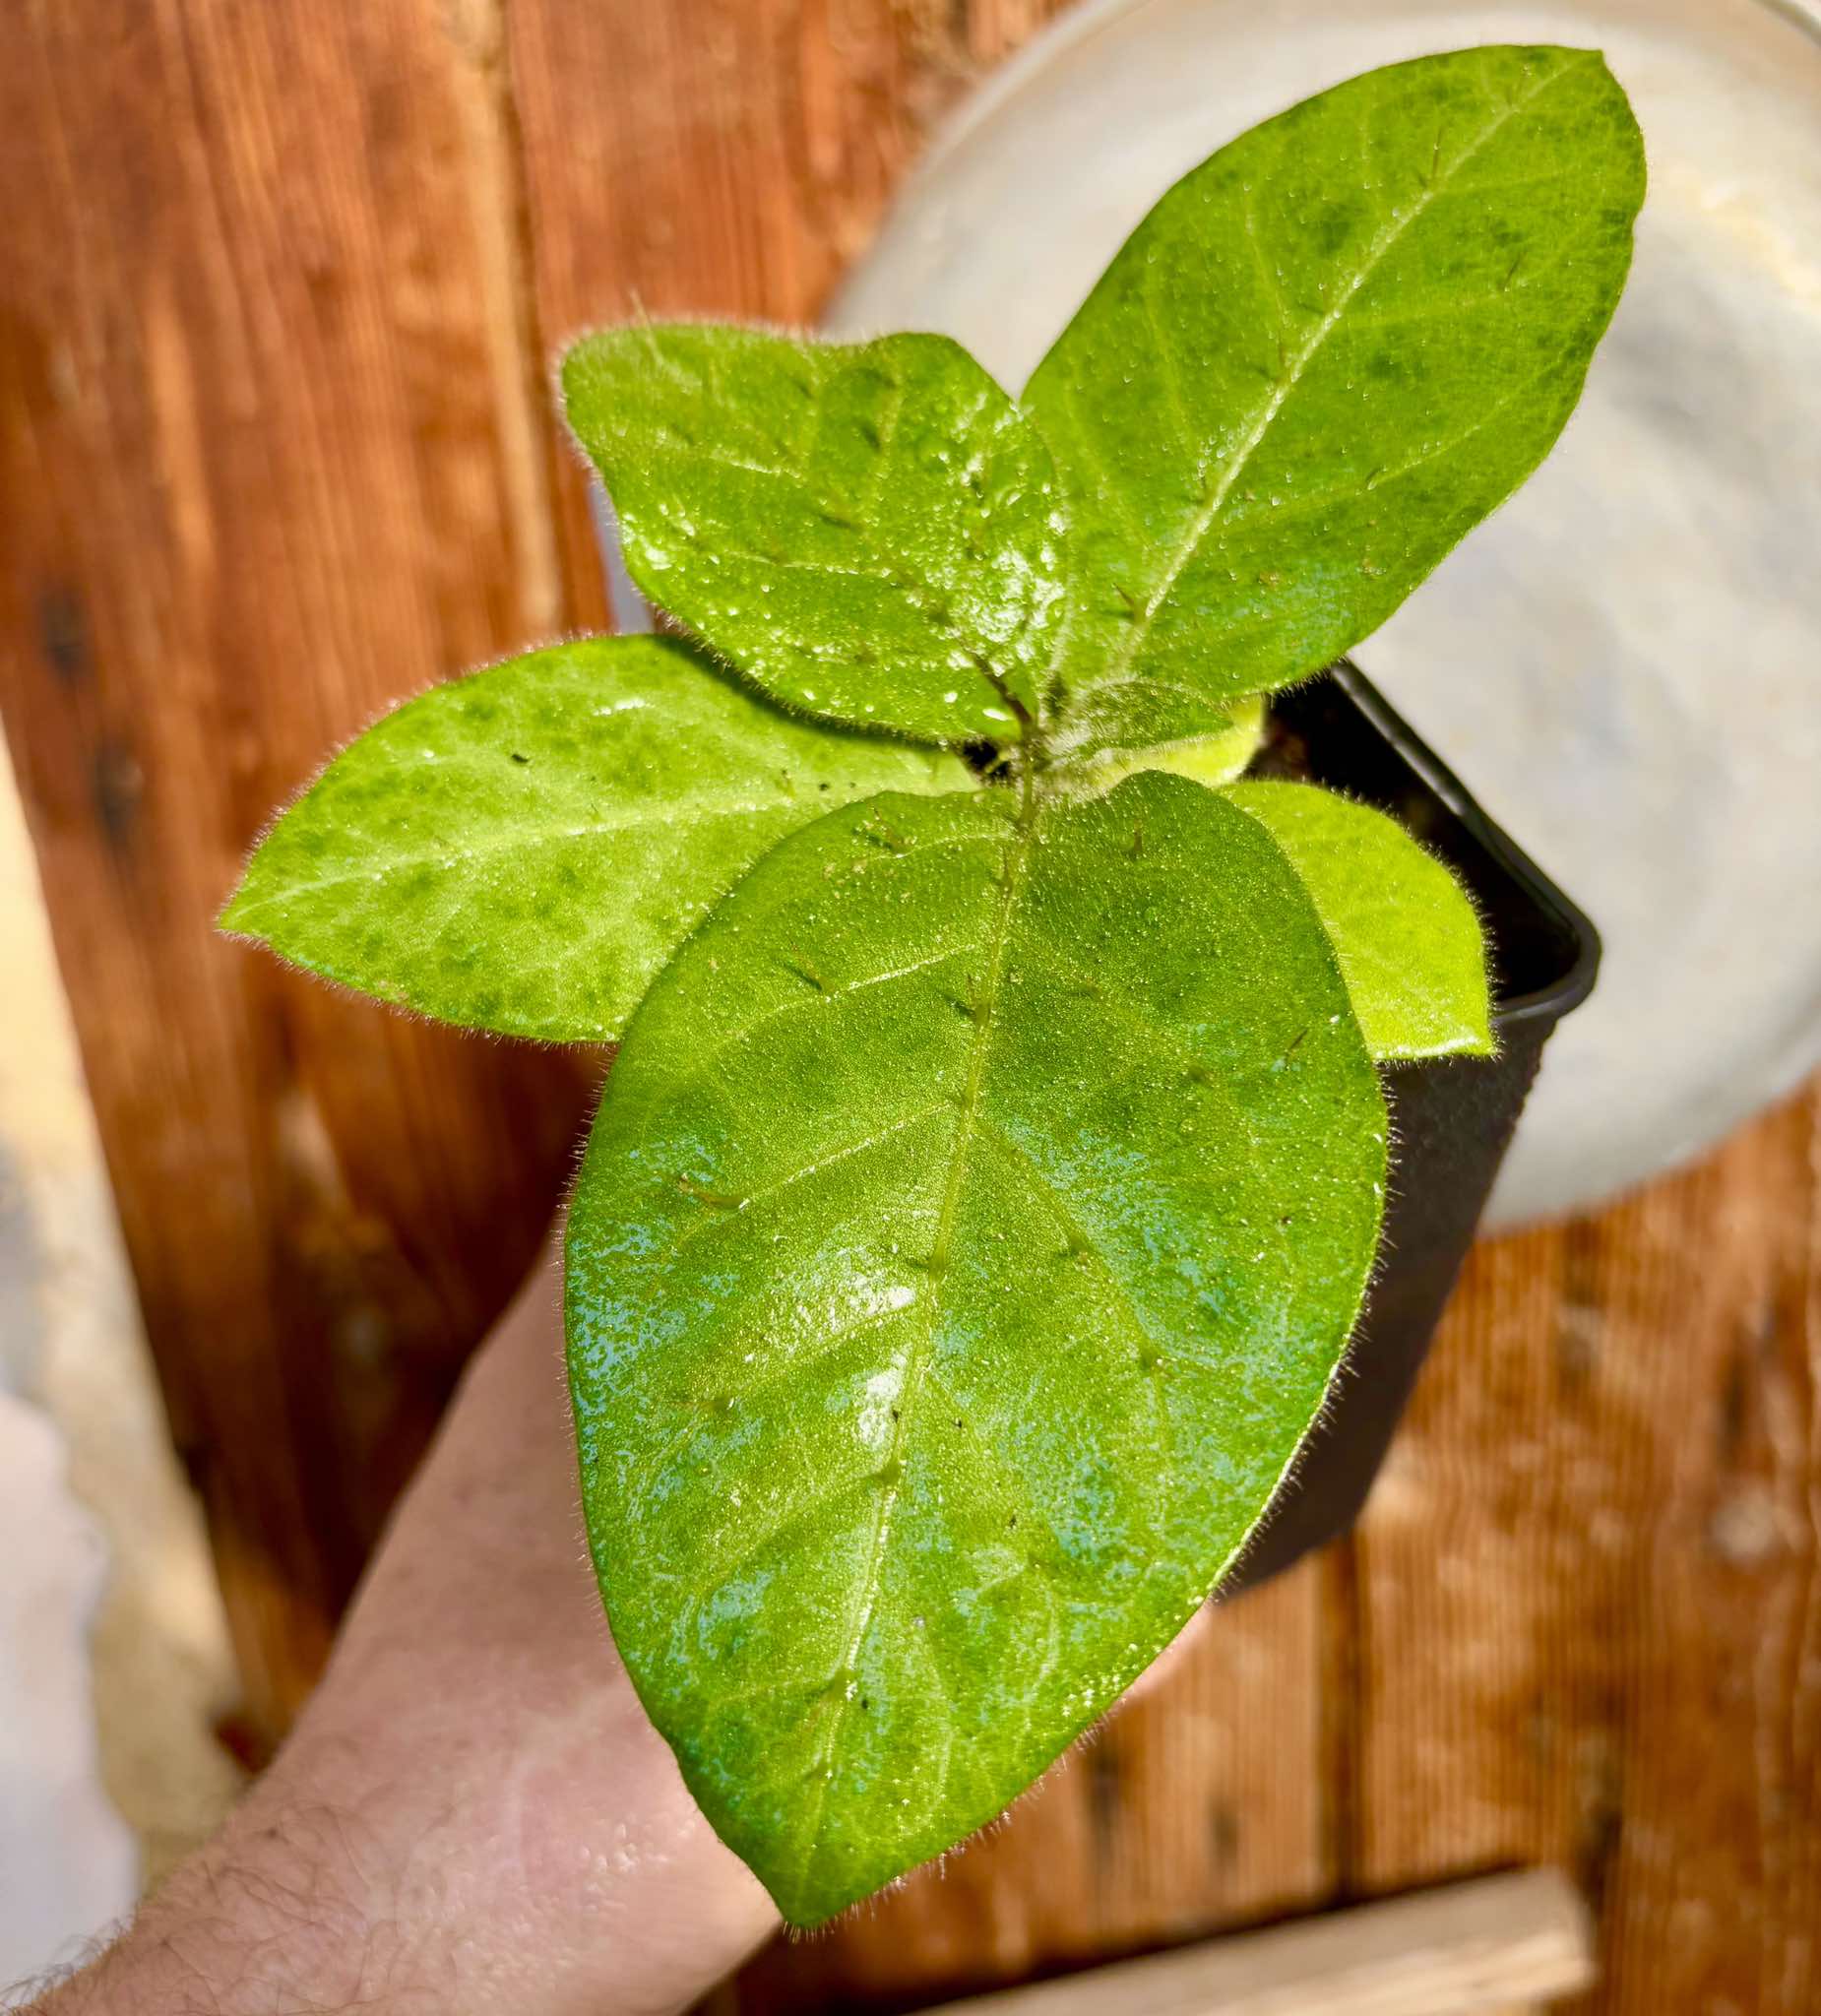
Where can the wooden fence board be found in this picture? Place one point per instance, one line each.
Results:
(268, 467)
(1592, 1582)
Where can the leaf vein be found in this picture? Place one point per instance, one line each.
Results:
(1189, 544)
(701, 1064)
(1123, 1305)
(778, 1374)
(716, 1217)
(1016, 864)
(664, 817)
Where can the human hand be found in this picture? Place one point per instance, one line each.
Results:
(474, 1813)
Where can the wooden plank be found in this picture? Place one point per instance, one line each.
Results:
(270, 465)
(1590, 1602)
(1511, 1941)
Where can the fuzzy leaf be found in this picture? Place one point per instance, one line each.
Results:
(870, 531)
(1325, 356)
(523, 850)
(1407, 937)
(1215, 757)
(973, 1223)
(1134, 712)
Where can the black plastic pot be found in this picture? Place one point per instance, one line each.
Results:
(1452, 1119)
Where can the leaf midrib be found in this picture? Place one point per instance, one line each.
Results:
(1012, 877)
(1377, 252)
(891, 566)
(664, 815)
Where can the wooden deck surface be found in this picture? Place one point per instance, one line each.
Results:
(276, 450)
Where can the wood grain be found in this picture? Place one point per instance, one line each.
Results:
(269, 466)
(1591, 1615)
(276, 451)
(1511, 1942)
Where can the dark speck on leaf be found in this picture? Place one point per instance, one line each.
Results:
(517, 757)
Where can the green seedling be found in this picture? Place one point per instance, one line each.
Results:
(993, 1163)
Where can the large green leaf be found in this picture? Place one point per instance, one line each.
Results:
(870, 531)
(1407, 937)
(1325, 356)
(522, 850)
(969, 1232)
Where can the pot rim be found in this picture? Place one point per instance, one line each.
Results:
(1576, 982)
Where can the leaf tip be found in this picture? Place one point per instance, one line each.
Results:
(231, 918)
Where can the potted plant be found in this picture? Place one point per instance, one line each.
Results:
(996, 1156)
